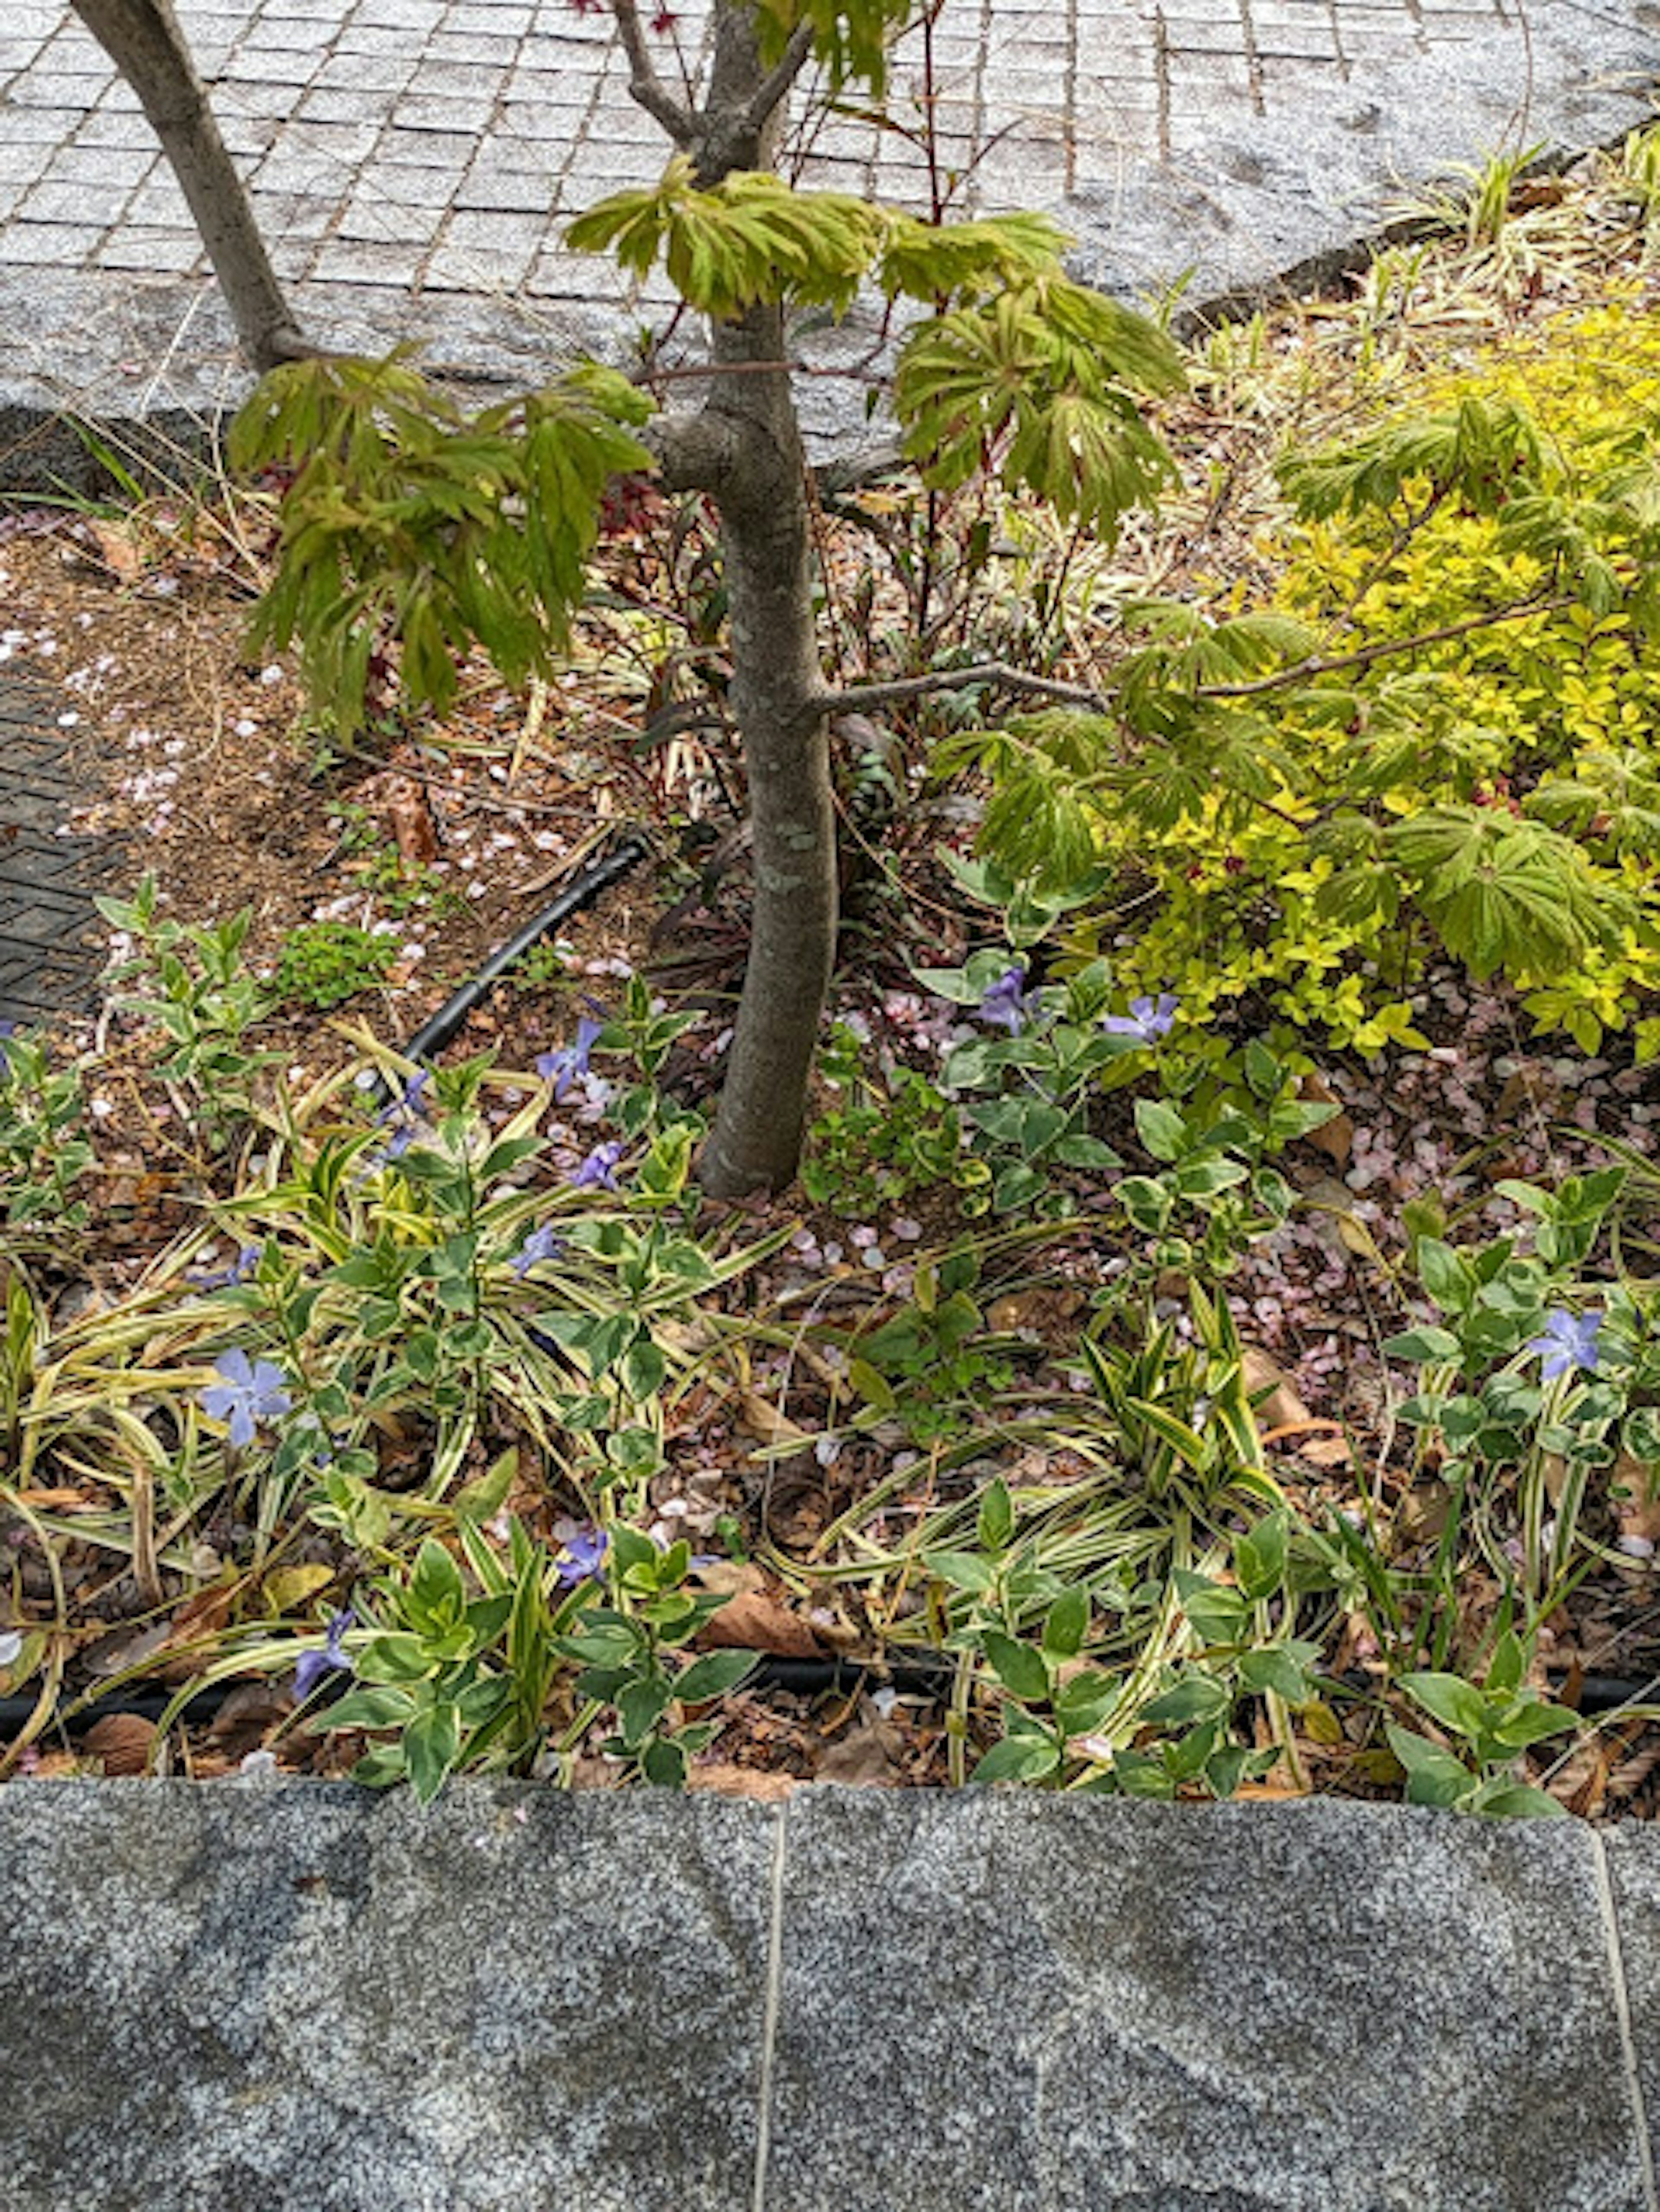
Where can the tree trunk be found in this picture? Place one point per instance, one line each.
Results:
(767, 544)
(766, 541)
(143, 39)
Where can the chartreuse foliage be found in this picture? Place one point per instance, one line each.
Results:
(1440, 724)
(412, 522)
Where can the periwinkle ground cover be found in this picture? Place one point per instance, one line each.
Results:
(1113, 1631)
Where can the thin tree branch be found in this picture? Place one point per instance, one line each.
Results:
(775, 85)
(1363, 656)
(855, 698)
(645, 88)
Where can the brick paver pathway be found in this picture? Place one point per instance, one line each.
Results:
(432, 147)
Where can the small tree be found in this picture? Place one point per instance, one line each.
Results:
(409, 520)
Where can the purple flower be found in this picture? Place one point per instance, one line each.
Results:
(247, 1393)
(246, 1260)
(562, 1067)
(585, 1547)
(1147, 1020)
(8, 1028)
(1005, 1002)
(598, 1170)
(1567, 1343)
(410, 1100)
(406, 1110)
(312, 1665)
(540, 1244)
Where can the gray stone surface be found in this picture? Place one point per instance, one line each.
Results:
(304, 2000)
(298, 1998)
(415, 160)
(1317, 2008)
(1633, 1866)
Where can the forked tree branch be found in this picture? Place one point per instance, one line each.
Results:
(855, 698)
(775, 86)
(645, 88)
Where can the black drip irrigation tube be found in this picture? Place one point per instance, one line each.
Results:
(598, 876)
(929, 1675)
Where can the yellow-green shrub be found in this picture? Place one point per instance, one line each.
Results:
(1396, 750)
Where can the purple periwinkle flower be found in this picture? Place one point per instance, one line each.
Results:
(411, 1100)
(248, 1392)
(1569, 1341)
(1147, 1020)
(1004, 1002)
(406, 1110)
(540, 1244)
(598, 1170)
(562, 1068)
(8, 1028)
(246, 1260)
(585, 1548)
(312, 1665)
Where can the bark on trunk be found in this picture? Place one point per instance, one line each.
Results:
(756, 1142)
(767, 541)
(143, 39)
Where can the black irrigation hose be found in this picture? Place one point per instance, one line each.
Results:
(598, 876)
(928, 1675)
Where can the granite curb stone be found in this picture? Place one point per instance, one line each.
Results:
(306, 2000)
(297, 1997)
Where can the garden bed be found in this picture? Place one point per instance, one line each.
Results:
(1177, 1450)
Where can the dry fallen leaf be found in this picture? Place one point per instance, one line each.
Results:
(411, 820)
(250, 1710)
(1035, 1309)
(122, 1741)
(725, 1781)
(755, 1621)
(1281, 1408)
(118, 548)
(1335, 1138)
(869, 1757)
(197, 1619)
(1582, 1783)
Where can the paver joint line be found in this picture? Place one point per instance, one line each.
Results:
(769, 2010)
(1622, 2010)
